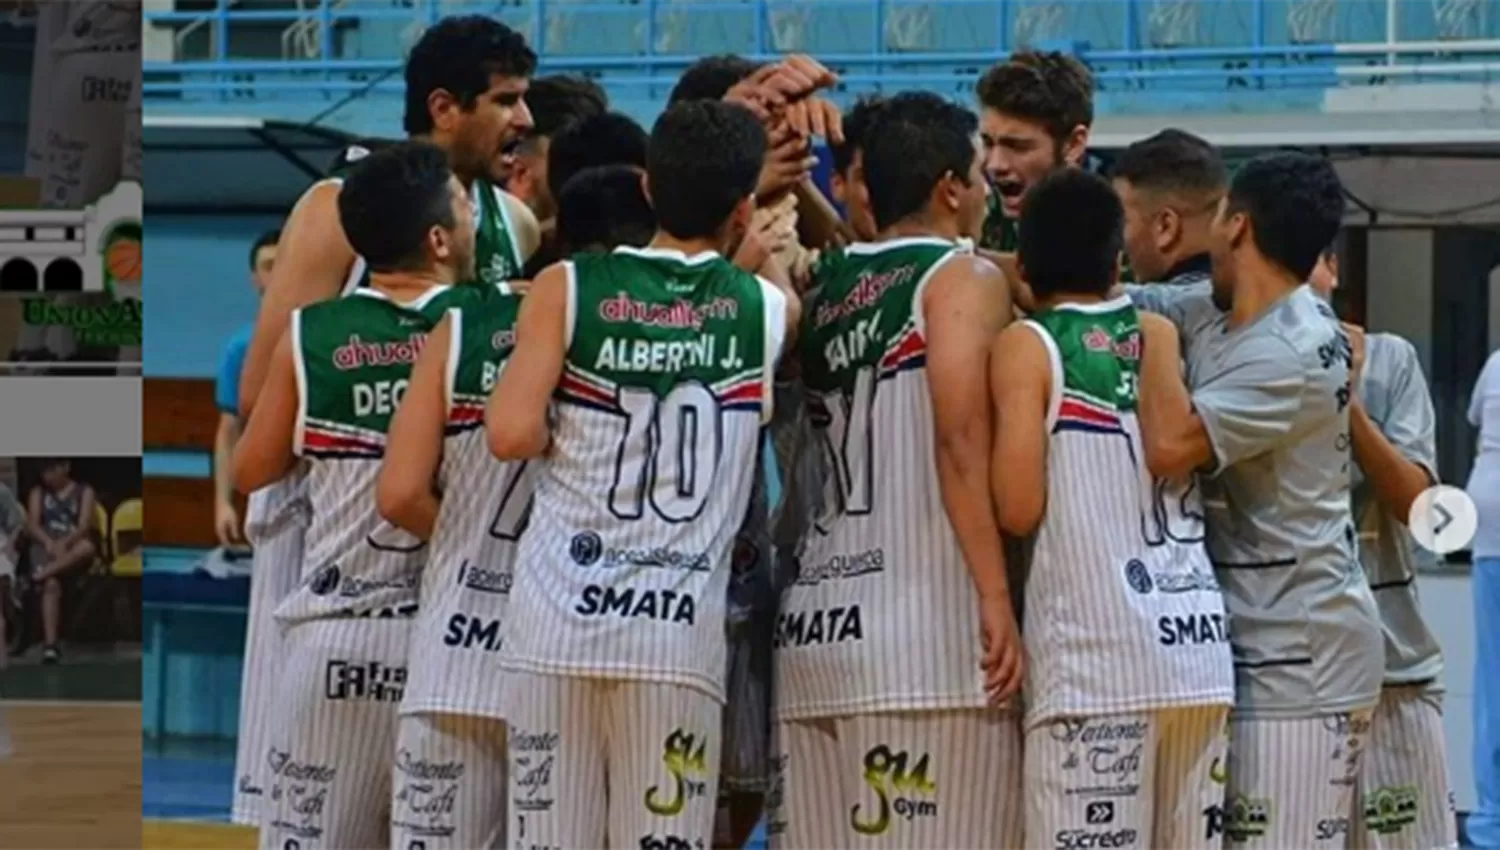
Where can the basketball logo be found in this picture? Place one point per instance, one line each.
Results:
(1138, 577)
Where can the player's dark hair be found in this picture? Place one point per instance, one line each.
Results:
(603, 207)
(1052, 89)
(1172, 161)
(711, 77)
(704, 159)
(459, 54)
(1070, 234)
(391, 200)
(612, 138)
(558, 100)
(856, 127)
(265, 240)
(915, 139)
(1295, 203)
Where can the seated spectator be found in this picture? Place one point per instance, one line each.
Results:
(60, 521)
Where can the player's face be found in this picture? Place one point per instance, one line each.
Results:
(857, 199)
(528, 177)
(973, 196)
(1141, 245)
(55, 476)
(1226, 235)
(1325, 276)
(483, 134)
(265, 258)
(455, 248)
(1018, 153)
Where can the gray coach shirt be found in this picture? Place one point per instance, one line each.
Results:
(1395, 396)
(1273, 397)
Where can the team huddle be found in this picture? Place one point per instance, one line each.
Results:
(1058, 561)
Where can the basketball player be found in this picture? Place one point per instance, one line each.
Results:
(1129, 677)
(555, 102)
(1170, 185)
(439, 482)
(847, 181)
(465, 79)
(1268, 423)
(1403, 797)
(657, 364)
(884, 698)
(334, 383)
(1035, 113)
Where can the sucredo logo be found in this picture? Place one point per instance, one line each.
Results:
(1079, 839)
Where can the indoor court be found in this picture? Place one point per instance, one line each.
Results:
(73, 778)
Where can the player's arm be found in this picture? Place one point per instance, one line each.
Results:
(313, 260)
(1020, 290)
(1020, 391)
(965, 306)
(1398, 456)
(818, 223)
(1176, 443)
(515, 419)
(526, 230)
(405, 493)
(266, 451)
(1185, 305)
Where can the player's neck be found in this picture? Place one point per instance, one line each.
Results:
(918, 227)
(1260, 285)
(1059, 298)
(403, 286)
(688, 247)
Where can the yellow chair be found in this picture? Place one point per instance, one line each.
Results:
(125, 538)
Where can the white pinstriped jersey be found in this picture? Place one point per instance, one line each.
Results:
(1123, 612)
(882, 615)
(353, 357)
(472, 553)
(623, 571)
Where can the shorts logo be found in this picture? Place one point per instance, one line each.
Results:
(901, 784)
(1246, 818)
(533, 754)
(366, 681)
(1099, 812)
(684, 757)
(585, 548)
(325, 580)
(1138, 577)
(1331, 828)
(668, 842)
(1389, 810)
(1082, 839)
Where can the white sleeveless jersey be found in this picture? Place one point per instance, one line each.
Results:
(882, 615)
(353, 356)
(623, 570)
(472, 552)
(1123, 613)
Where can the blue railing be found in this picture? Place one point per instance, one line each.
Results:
(335, 49)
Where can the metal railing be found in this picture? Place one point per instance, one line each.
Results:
(874, 43)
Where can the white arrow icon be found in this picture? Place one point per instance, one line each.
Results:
(1443, 519)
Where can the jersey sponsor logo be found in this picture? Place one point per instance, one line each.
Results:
(684, 755)
(902, 787)
(1100, 341)
(1240, 818)
(1191, 629)
(809, 628)
(665, 605)
(618, 354)
(1082, 839)
(868, 562)
(363, 681)
(284, 767)
(484, 579)
(1350, 732)
(585, 548)
(1390, 809)
(379, 398)
(355, 353)
(680, 314)
(660, 557)
(669, 842)
(467, 632)
(1104, 756)
(866, 292)
(533, 754)
(1140, 579)
(427, 797)
(1331, 828)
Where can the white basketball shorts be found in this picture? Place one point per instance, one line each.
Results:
(596, 762)
(1403, 801)
(448, 787)
(1150, 779)
(329, 786)
(275, 572)
(897, 781)
(1292, 782)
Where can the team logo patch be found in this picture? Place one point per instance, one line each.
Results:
(325, 580)
(1138, 577)
(585, 548)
